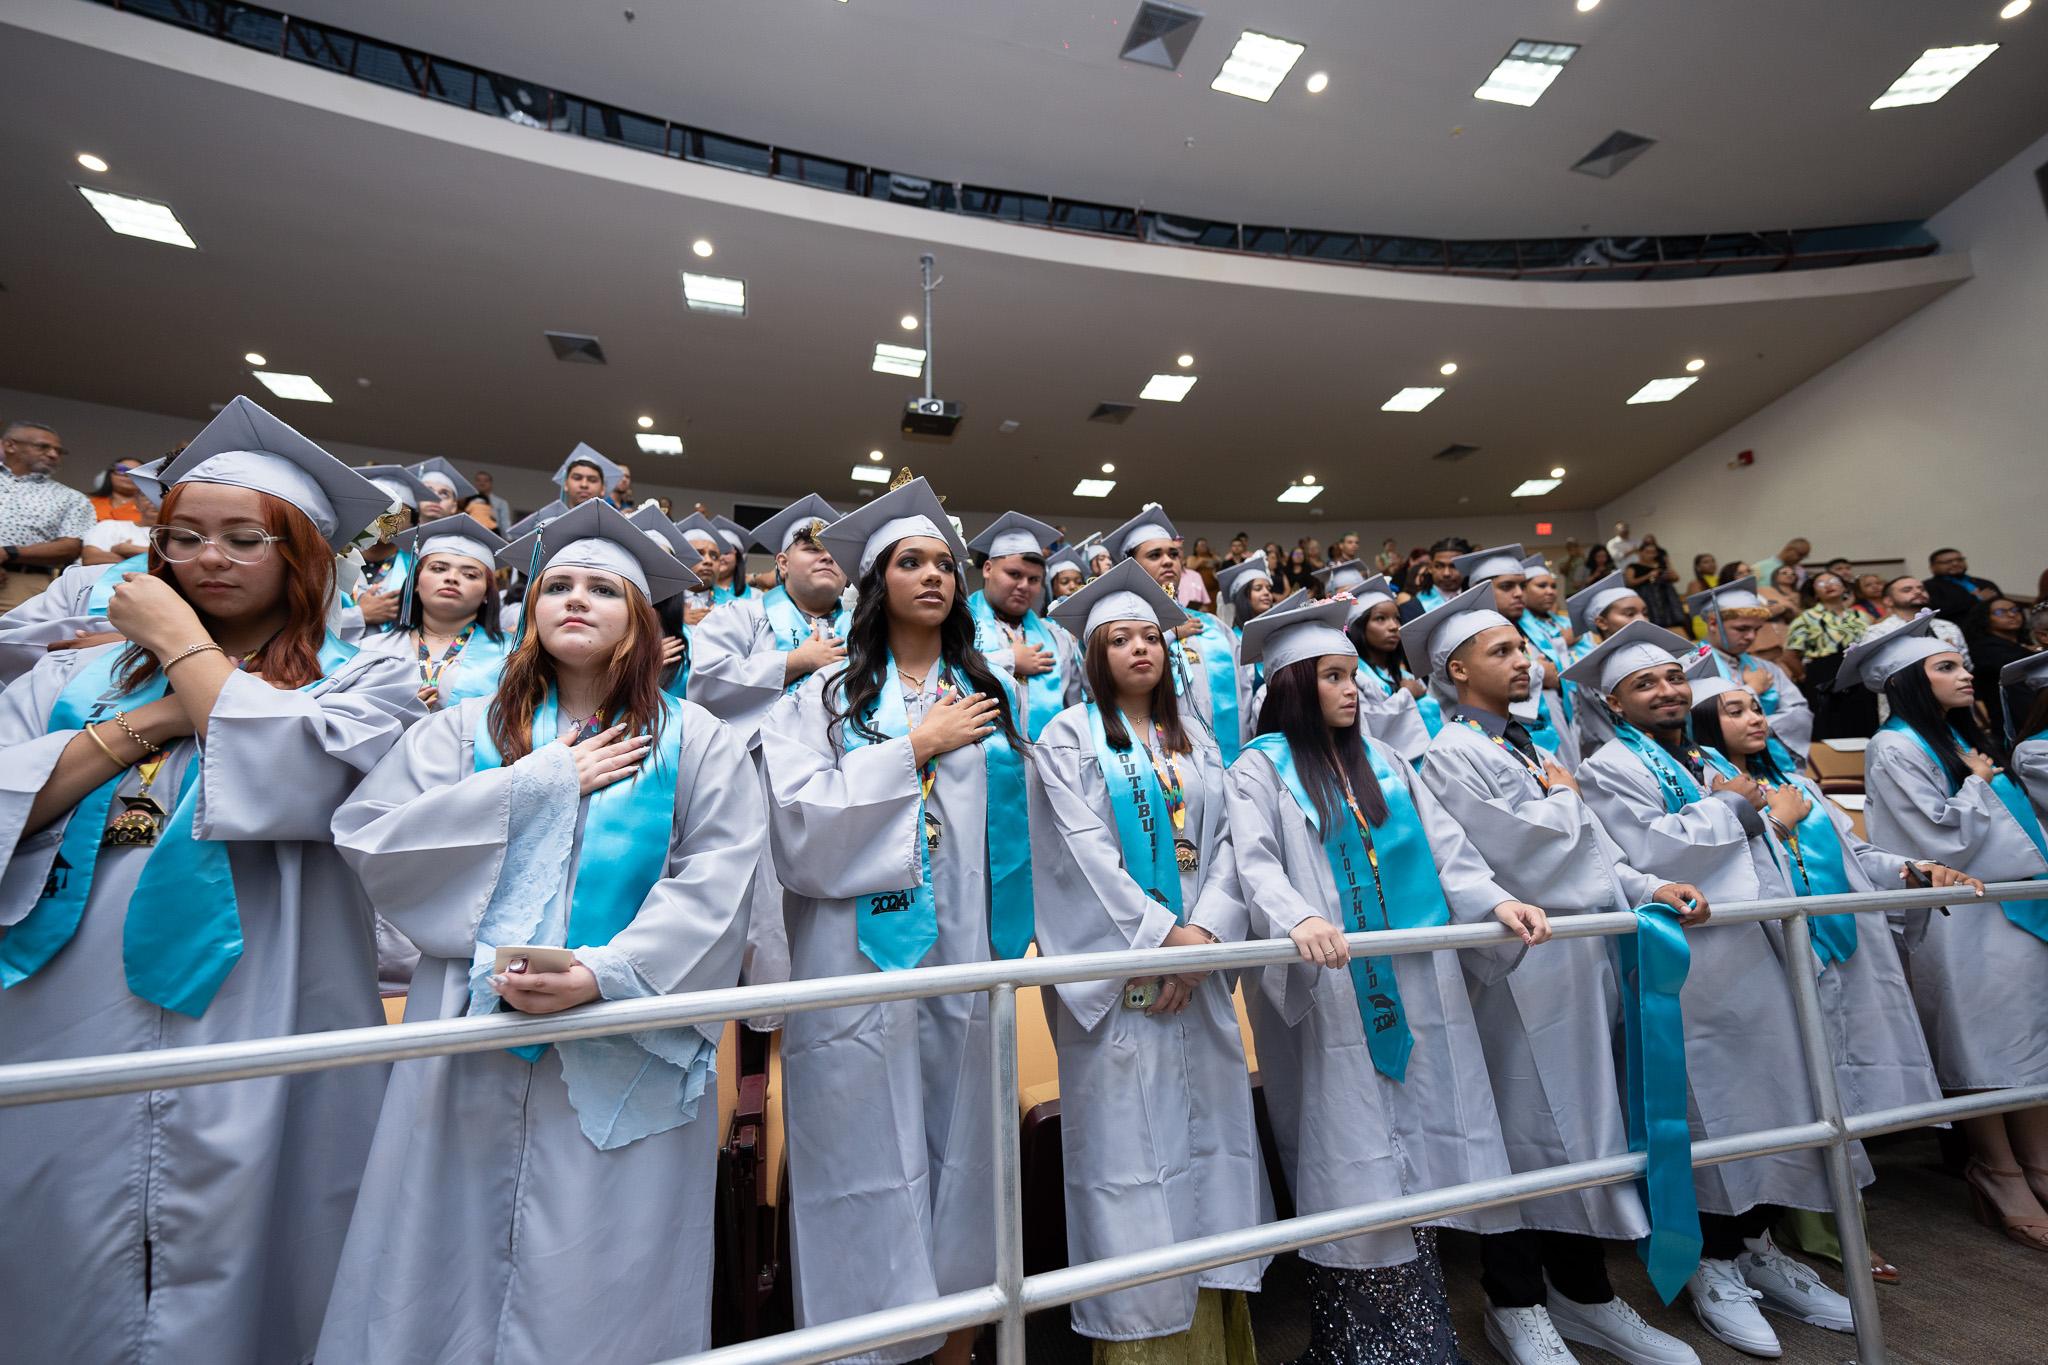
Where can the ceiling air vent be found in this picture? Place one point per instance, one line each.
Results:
(1616, 151)
(1455, 452)
(1160, 34)
(1117, 413)
(574, 348)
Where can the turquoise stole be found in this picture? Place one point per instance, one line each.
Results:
(477, 668)
(182, 934)
(791, 627)
(1045, 695)
(1212, 643)
(1821, 869)
(626, 832)
(1653, 963)
(895, 929)
(103, 586)
(1677, 785)
(1432, 710)
(1548, 637)
(720, 594)
(1144, 830)
(1431, 598)
(2031, 916)
(1409, 894)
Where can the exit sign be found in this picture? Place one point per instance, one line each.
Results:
(1542, 528)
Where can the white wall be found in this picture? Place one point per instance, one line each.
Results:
(1935, 433)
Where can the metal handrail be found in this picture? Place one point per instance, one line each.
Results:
(1013, 1294)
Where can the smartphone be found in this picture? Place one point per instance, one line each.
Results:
(1141, 995)
(534, 958)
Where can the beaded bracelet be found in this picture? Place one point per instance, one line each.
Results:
(190, 650)
(121, 719)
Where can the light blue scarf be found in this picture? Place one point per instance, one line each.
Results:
(103, 587)
(1212, 644)
(1652, 965)
(1144, 829)
(791, 627)
(1045, 694)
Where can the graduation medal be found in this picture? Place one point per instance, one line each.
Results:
(141, 820)
(1187, 855)
(932, 830)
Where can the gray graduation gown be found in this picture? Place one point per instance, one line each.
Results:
(1542, 705)
(229, 1201)
(1347, 1134)
(1792, 722)
(1067, 659)
(891, 1157)
(490, 1228)
(1199, 703)
(1977, 977)
(1741, 1039)
(1390, 716)
(1549, 1025)
(55, 614)
(1155, 1111)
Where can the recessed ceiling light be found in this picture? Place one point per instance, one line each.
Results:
(907, 322)
(1411, 400)
(654, 443)
(1256, 66)
(1526, 72)
(1185, 360)
(2016, 9)
(299, 386)
(867, 473)
(1588, 6)
(1300, 492)
(1094, 488)
(703, 248)
(1318, 83)
(1557, 473)
(1167, 388)
(132, 217)
(1308, 478)
(1695, 365)
(646, 423)
(1934, 75)
(1663, 390)
(256, 358)
(1108, 468)
(1531, 488)
(907, 361)
(1449, 367)
(715, 294)
(876, 456)
(92, 163)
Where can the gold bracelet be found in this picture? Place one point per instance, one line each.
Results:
(112, 757)
(190, 650)
(121, 719)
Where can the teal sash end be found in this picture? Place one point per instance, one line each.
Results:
(1653, 965)
(1144, 829)
(1213, 644)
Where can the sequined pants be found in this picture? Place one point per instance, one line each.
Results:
(1393, 1316)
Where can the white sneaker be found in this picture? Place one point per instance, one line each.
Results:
(1726, 1307)
(1619, 1330)
(1524, 1336)
(1791, 1287)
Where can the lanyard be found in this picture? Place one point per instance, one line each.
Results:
(431, 668)
(1372, 854)
(1501, 740)
(1169, 780)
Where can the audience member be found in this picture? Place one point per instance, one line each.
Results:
(486, 488)
(1650, 576)
(1870, 596)
(1598, 563)
(1951, 590)
(1781, 595)
(1388, 560)
(1793, 556)
(1705, 574)
(43, 523)
(1621, 545)
(1997, 631)
(1202, 565)
(115, 497)
(1571, 564)
(1818, 637)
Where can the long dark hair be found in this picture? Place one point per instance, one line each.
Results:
(867, 658)
(1603, 567)
(487, 611)
(632, 683)
(1165, 705)
(1324, 757)
(1396, 668)
(1707, 733)
(1912, 700)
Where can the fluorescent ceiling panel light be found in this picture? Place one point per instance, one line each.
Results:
(715, 294)
(95, 164)
(1411, 400)
(1934, 75)
(1256, 66)
(1300, 492)
(1530, 488)
(1167, 388)
(869, 473)
(1094, 488)
(1526, 72)
(654, 443)
(1663, 390)
(907, 361)
(144, 218)
(299, 386)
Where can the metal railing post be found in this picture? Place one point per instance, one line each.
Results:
(1801, 967)
(1009, 1182)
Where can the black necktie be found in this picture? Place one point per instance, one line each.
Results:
(1517, 735)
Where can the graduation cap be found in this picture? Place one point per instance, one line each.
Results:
(1298, 598)
(1703, 671)
(1343, 576)
(1073, 557)
(1499, 562)
(2021, 675)
(1873, 661)
(1150, 524)
(533, 521)
(399, 484)
(584, 454)
(1369, 594)
(245, 447)
(437, 471)
(596, 535)
(147, 477)
(461, 534)
(808, 513)
(1585, 605)
(1252, 569)
(1536, 567)
(647, 516)
(1013, 533)
(1430, 639)
(702, 532)
(732, 533)
(1636, 646)
(1286, 636)
(1730, 599)
(911, 509)
(1125, 593)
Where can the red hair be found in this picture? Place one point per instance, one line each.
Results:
(290, 658)
(632, 683)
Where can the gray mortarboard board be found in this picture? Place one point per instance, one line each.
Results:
(701, 531)
(460, 534)
(648, 517)
(1368, 594)
(147, 477)
(779, 532)
(1243, 574)
(732, 533)
(857, 539)
(1500, 561)
(1588, 602)
(1732, 599)
(245, 447)
(2016, 681)
(1298, 598)
(1535, 566)
(1278, 638)
(1703, 671)
(1150, 524)
(438, 468)
(1013, 533)
(1431, 638)
(1636, 646)
(1073, 557)
(584, 454)
(1872, 662)
(533, 521)
(1343, 576)
(597, 535)
(1125, 593)
(400, 484)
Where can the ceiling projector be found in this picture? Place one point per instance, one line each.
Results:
(930, 417)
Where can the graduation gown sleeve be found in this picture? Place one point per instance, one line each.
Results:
(54, 615)
(1912, 811)
(2030, 770)
(1692, 844)
(736, 672)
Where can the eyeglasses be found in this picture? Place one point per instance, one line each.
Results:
(181, 546)
(50, 446)
(2007, 610)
